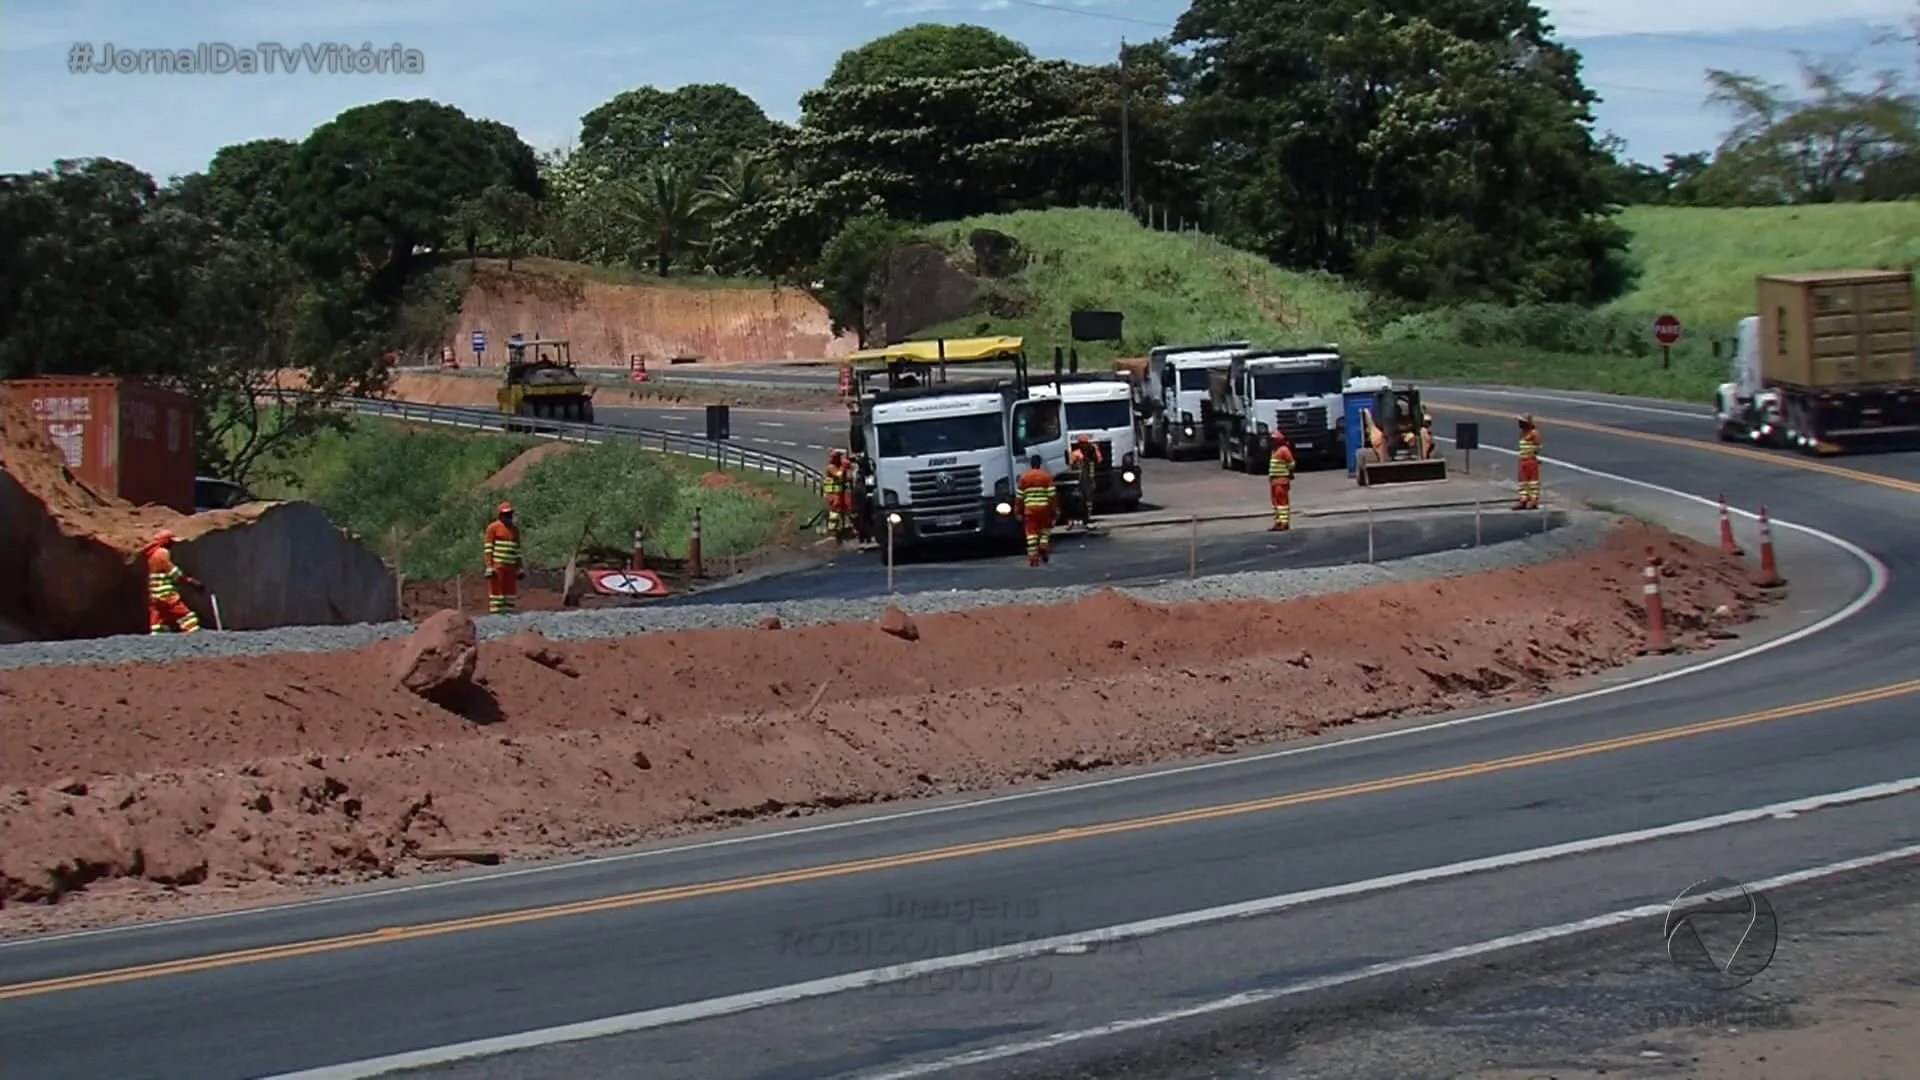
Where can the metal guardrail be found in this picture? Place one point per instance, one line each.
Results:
(722, 453)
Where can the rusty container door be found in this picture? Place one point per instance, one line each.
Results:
(81, 418)
(155, 446)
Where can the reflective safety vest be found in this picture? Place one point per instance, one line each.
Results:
(1280, 465)
(502, 546)
(1036, 490)
(163, 578)
(1529, 446)
(834, 480)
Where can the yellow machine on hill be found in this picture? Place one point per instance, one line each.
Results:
(540, 383)
(1399, 446)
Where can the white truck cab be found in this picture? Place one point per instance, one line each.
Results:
(943, 459)
(1101, 407)
(1746, 409)
(1296, 391)
(1174, 397)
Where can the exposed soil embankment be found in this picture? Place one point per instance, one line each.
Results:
(288, 767)
(606, 323)
(69, 566)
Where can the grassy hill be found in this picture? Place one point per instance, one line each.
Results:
(1172, 287)
(1697, 263)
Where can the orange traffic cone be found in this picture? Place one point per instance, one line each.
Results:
(1656, 615)
(1769, 576)
(1727, 546)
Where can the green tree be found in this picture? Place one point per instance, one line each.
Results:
(922, 51)
(726, 200)
(1818, 148)
(88, 285)
(694, 130)
(852, 270)
(243, 190)
(1441, 150)
(370, 192)
(661, 211)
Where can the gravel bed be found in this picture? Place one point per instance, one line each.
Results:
(1582, 531)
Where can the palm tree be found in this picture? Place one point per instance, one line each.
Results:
(661, 209)
(746, 179)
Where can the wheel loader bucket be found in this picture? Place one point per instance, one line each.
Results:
(1402, 472)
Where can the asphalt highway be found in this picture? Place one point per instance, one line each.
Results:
(492, 955)
(1098, 558)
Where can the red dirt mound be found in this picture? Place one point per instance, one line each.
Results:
(285, 767)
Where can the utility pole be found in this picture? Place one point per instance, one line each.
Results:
(1126, 134)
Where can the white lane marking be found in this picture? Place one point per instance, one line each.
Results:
(1598, 403)
(1877, 578)
(1538, 936)
(1071, 943)
(769, 423)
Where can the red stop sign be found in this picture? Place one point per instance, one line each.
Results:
(1666, 329)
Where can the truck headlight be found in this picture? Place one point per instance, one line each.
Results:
(1127, 477)
(1003, 509)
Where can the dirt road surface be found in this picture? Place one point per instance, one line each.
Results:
(145, 790)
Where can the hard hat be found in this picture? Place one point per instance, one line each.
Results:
(835, 455)
(1279, 436)
(506, 508)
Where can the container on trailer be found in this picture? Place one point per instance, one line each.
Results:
(118, 436)
(1836, 330)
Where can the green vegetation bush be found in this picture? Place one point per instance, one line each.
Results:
(418, 495)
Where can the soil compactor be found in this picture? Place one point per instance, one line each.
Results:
(540, 383)
(1399, 447)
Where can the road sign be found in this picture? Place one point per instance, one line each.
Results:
(479, 341)
(1666, 329)
(626, 582)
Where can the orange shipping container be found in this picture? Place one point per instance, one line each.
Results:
(119, 436)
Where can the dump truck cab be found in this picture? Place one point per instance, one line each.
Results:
(938, 458)
(539, 382)
(1100, 406)
(1295, 391)
(1175, 397)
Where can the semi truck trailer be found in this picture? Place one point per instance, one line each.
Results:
(1826, 363)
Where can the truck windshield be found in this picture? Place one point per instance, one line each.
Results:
(1286, 384)
(1098, 415)
(946, 435)
(1193, 378)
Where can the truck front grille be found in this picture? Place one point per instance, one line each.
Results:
(937, 489)
(1307, 424)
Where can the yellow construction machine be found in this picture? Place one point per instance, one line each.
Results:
(1399, 447)
(540, 383)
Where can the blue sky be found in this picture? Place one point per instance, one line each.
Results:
(539, 65)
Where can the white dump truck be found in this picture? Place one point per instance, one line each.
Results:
(1828, 363)
(1296, 391)
(942, 457)
(1100, 405)
(1173, 398)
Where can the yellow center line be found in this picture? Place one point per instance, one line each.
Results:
(1908, 486)
(622, 901)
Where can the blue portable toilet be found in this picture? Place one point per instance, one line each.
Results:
(1359, 395)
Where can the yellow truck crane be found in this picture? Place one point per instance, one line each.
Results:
(540, 383)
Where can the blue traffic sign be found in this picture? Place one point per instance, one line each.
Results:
(479, 341)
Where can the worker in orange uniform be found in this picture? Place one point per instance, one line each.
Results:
(1039, 506)
(1084, 458)
(166, 612)
(501, 546)
(1529, 473)
(836, 485)
(1280, 464)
